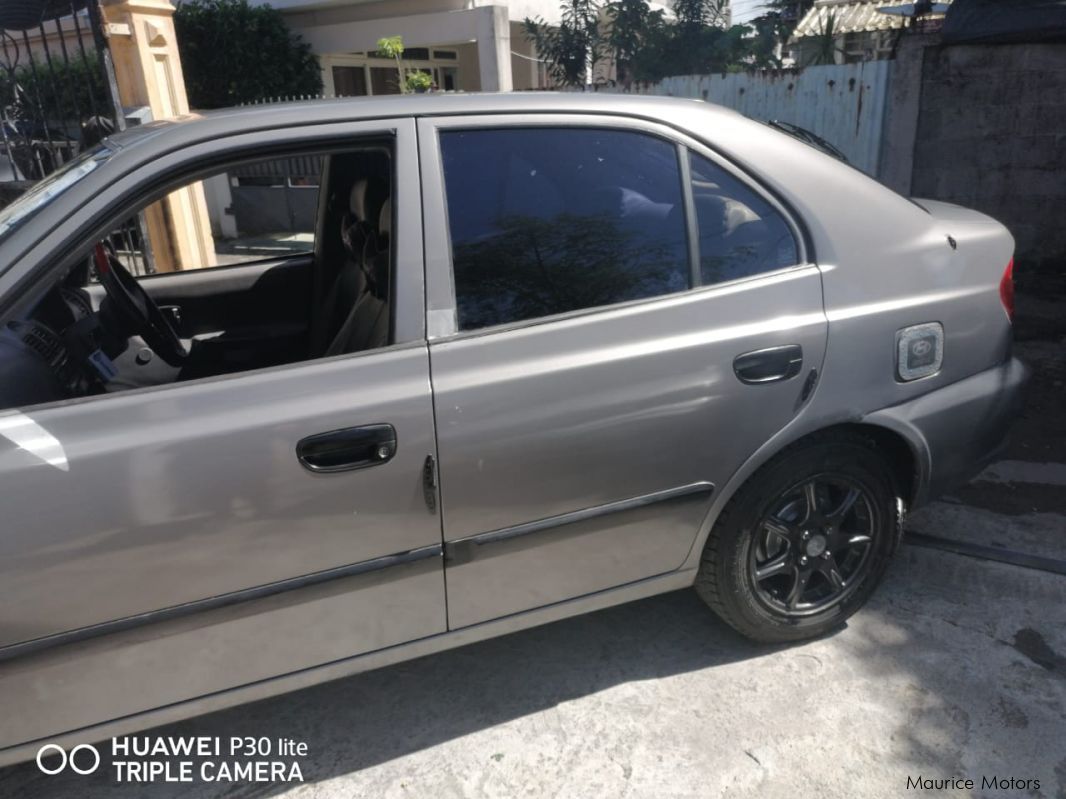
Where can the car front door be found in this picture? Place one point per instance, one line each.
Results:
(167, 543)
(599, 366)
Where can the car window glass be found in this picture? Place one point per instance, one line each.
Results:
(545, 221)
(51, 187)
(249, 212)
(740, 233)
(140, 307)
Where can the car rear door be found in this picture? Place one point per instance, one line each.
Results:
(164, 544)
(599, 367)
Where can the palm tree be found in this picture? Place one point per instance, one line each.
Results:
(825, 44)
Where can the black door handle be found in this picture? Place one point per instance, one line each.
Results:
(350, 448)
(769, 365)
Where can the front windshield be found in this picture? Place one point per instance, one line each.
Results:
(51, 187)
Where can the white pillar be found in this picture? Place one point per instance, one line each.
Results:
(494, 48)
(144, 47)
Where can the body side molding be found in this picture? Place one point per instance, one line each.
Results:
(221, 601)
(463, 550)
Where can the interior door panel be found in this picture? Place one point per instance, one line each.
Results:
(238, 317)
(261, 294)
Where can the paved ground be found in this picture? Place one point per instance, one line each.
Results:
(957, 668)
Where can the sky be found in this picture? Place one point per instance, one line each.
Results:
(743, 10)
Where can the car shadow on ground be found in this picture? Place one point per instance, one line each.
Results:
(360, 721)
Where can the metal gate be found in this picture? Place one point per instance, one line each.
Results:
(58, 96)
(54, 87)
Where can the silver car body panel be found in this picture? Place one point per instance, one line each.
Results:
(173, 661)
(537, 424)
(594, 407)
(146, 649)
(141, 523)
(142, 501)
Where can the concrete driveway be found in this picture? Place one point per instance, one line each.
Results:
(956, 669)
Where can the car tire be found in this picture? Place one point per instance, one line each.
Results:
(764, 568)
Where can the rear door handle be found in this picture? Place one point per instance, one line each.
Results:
(347, 449)
(769, 365)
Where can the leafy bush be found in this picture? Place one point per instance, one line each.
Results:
(59, 97)
(418, 81)
(233, 53)
(572, 48)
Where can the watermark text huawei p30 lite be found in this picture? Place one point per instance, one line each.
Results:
(203, 758)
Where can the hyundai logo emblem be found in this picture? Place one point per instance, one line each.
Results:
(921, 347)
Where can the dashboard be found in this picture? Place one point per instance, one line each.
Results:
(62, 349)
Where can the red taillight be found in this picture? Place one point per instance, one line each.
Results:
(1006, 290)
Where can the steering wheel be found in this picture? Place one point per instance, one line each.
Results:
(136, 309)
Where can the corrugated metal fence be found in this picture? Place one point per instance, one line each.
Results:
(842, 103)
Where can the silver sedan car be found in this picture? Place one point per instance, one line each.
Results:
(296, 391)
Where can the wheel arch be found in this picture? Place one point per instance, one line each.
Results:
(900, 443)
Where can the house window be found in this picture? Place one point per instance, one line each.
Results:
(349, 81)
(362, 74)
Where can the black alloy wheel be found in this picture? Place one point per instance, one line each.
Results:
(803, 543)
(814, 546)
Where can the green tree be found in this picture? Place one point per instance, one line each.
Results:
(410, 80)
(645, 46)
(700, 43)
(574, 47)
(233, 52)
(774, 28)
(392, 47)
(825, 46)
(693, 15)
(632, 25)
(692, 46)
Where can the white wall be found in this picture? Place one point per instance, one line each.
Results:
(219, 198)
(518, 10)
(348, 29)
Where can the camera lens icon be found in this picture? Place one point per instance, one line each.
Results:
(78, 759)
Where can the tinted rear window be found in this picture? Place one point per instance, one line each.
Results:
(545, 221)
(740, 233)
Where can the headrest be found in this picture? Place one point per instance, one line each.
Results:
(366, 197)
(711, 211)
(385, 219)
(730, 214)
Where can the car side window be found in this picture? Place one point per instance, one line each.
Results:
(740, 233)
(546, 220)
(107, 324)
(249, 212)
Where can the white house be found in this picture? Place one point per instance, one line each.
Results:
(468, 45)
(861, 31)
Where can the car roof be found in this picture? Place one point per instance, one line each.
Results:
(243, 119)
